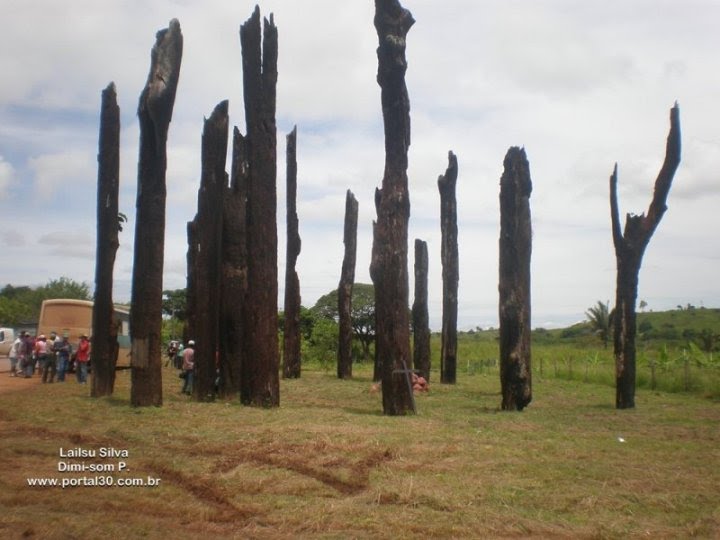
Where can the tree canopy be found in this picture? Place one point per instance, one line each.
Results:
(174, 303)
(363, 312)
(22, 303)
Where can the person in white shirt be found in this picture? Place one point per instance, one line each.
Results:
(14, 354)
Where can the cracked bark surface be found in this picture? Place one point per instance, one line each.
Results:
(208, 258)
(630, 246)
(104, 327)
(389, 265)
(291, 335)
(154, 114)
(260, 384)
(345, 288)
(514, 288)
(450, 270)
(420, 312)
(234, 271)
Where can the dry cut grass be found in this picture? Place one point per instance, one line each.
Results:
(327, 464)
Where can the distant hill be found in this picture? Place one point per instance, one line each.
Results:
(679, 324)
(673, 327)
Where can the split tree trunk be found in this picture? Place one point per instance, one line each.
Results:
(260, 384)
(208, 258)
(104, 327)
(234, 272)
(629, 250)
(515, 251)
(420, 314)
(389, 266)
(291, 334)
(450, 272)
(154, 113)
(345, 288)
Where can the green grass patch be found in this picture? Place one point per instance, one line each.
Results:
(328, 464)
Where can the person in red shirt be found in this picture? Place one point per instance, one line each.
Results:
(82, 357)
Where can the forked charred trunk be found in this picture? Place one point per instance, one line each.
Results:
(260, 384)
(389, 266)
(345, 288)
(291, 335)
(104, 328)
(629, 250)
(154, 113)
(234, 272)
(450, 271)
(515, 251)
(420, 313)
(208, 258)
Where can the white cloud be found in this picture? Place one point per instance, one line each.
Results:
(7, 177)
(69, 244)
(70, 171)
(581, 85)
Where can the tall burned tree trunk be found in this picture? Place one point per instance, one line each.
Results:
(234, 273)
(389, 266)
(260, 383)
(190, 295)
(515, 251)
(154, 112)
(104, 329)
(629, 249)
(208, 259)
(345, 288)
(450, 271)
(291, 335)
(420, 315)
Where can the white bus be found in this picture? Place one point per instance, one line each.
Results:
(74, 318)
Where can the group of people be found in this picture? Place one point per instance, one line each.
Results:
(48, 356)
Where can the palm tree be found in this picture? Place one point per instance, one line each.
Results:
(599, 317)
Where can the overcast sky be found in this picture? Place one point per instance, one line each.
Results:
(581, 85)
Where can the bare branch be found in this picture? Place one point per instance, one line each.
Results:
(658, 206)
(615, 212)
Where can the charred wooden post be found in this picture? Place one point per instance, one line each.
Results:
(104, 328)
(450, 270)
(208, 259)
(345, 288)
(629, 250)
(154, 113)
(260, 383)
(234, 271)
(420, 313)
(515, 251)
(389, 265)
(291, 334)
(377, 361)
(191, 314)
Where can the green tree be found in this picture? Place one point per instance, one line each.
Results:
(174, 303)
(709, 340)
(65, 287)
(600, 317)
(13, 312)
(308, 319)
(322, 345)
(22, 303)
(363, 313)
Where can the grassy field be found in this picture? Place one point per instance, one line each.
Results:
(327, 464)
(669, 354)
